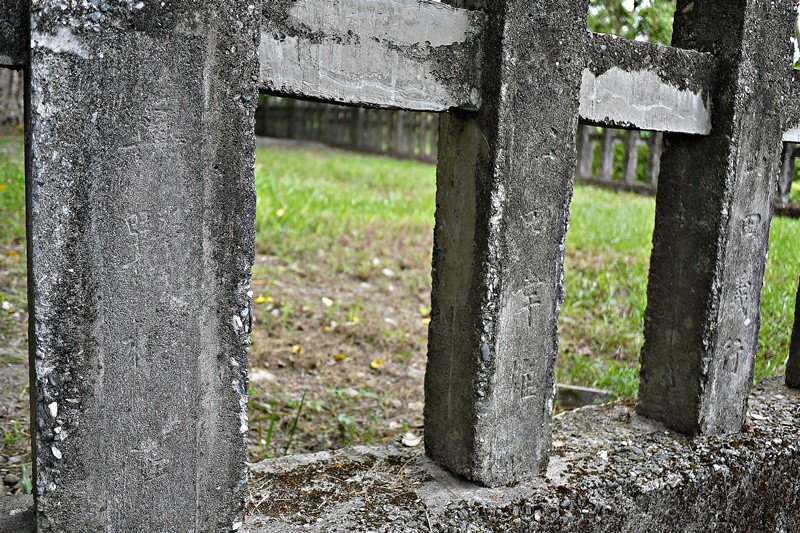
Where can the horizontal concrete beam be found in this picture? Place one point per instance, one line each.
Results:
(408, 54)
(632, 84)
(792, 111)
(13, 34)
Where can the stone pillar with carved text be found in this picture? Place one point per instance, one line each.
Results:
(504, 183)
(140, 154)
(712, 221)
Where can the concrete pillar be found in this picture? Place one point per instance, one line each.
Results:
(608, 137)
(654, 156)
(504, 182)
(793, 363)
(140, 154)
(631, 158)
(585, 152)
(786, 174)
(423, 134)
(712, 221)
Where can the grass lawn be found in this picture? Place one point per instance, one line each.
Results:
(326, 199)
(342, 288)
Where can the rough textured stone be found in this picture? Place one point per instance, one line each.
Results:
(713, 212)
(14, 33)
(610, 471)
(141, 219)
(388, 53)
(793, 363)
(16, 514)
(643, 85)
(504, 182)
(791, 110)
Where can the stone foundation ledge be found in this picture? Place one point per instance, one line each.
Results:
(610, 471)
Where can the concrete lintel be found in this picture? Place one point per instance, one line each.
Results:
(610, 471)
(407, 54)
(646, 86)
(13, 34)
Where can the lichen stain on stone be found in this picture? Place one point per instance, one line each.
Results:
(63, 42)
(361, 52)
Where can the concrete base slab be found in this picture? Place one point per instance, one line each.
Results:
(16, 514)
(610, 471)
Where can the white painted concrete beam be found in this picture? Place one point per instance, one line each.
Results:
(640, 85)
(408, 54)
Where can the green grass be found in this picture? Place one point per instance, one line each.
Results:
(12, 191)
(608, 249)
(330, 205)
(605, 278)
(312, 197)
(778, 297)
(329, 198)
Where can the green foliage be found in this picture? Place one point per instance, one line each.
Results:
(12, 191)
(27, 484)
(649, 20)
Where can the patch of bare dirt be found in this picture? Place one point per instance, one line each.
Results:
(14, 401)
(349, 345)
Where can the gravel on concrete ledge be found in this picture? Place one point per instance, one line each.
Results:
(610, 470)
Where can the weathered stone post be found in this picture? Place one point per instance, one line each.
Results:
(712, 221)
(786, 174)
(631, 159)
(793, 363)
(654, 156)
(504, 183)
(607, 154)
(585, 152)
(140, 154)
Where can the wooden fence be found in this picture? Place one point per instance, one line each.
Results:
(398, 133)
(607, 157)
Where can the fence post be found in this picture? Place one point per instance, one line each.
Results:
(301, 120)
(793, 363)
(291, 121)
(423, 135)
(608, 136)
(435, 125)
(139, 154)
(655, 147)
(631, 156)
(356, 125)
(585, 152)
(712, 222)
(400, 141)
(504, 182)
(786, 173)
